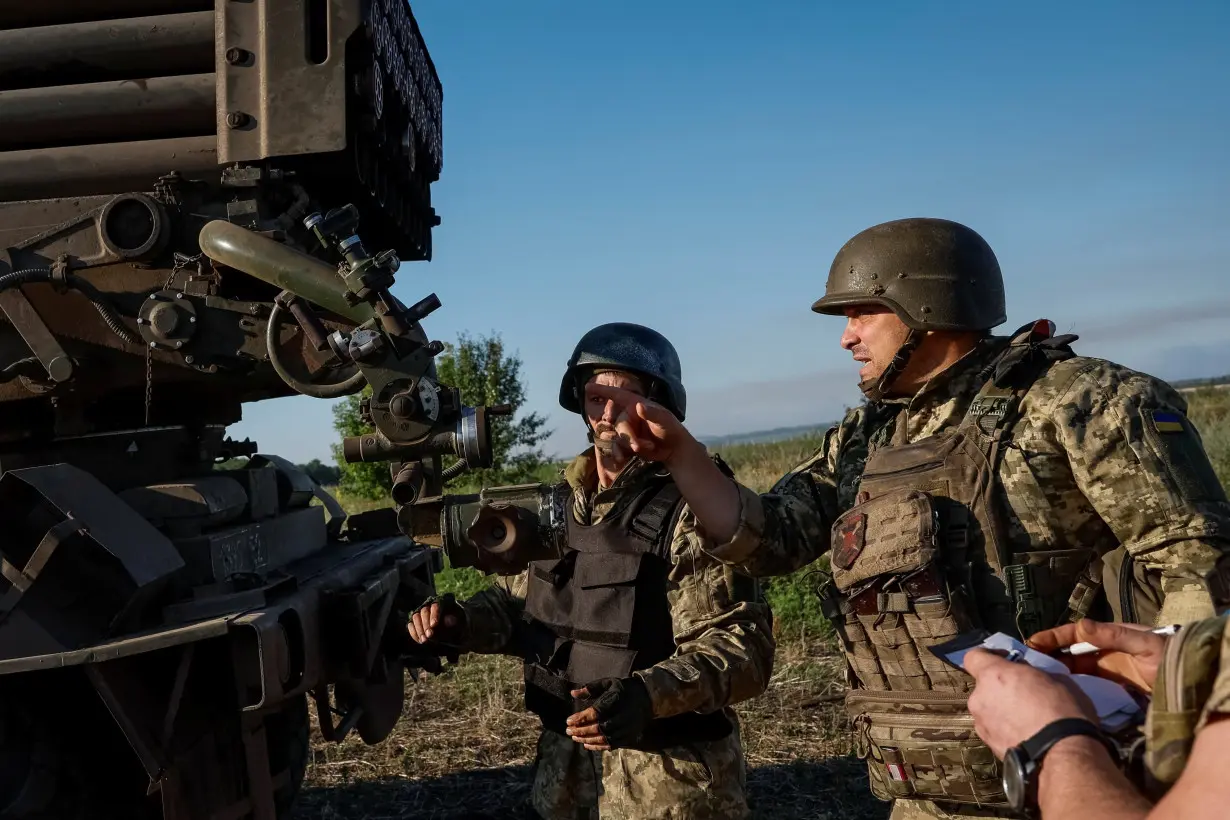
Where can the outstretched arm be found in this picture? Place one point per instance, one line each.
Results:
(773, 533)
(655, 434)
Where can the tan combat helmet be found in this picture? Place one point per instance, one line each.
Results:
(933, 273)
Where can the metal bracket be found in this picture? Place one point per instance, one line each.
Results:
(21, 579)
(22, 316)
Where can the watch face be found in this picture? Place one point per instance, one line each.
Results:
(1014, 779)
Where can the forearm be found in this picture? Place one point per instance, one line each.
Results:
(491, 617)
(712, 497)
(723, 666)
(1079, 781)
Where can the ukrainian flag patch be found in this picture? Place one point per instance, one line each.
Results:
(1165, 422)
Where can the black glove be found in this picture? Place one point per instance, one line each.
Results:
(451, 625)
(623, 706)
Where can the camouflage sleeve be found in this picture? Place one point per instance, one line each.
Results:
(723, 638)
(1218, 703)
(492, 614)
(787, 527)
(1141, 464)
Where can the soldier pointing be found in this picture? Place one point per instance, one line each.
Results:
(1003, 483)
(636, 642)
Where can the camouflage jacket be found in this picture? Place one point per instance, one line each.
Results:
(1192, 688)
(724, 646)
(1100, 457)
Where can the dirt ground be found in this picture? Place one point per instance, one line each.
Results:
(464, 748)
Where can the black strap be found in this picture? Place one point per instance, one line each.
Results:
(650, 523)
(599, 636)
(1050, 734)
(553, 683)
(22, 578)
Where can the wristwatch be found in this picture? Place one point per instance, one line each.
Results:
(1022, 763)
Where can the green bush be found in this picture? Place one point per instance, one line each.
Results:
(486, 375)
(1209, 410)
(461, 581)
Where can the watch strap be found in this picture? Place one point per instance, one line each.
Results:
(1050, 734)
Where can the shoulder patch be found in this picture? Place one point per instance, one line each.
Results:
(851, 537)
(1166, 422)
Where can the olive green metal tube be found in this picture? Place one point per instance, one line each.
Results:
(282, 266)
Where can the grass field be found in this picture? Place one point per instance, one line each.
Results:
(464, 746)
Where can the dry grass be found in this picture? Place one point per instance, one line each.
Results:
(464, 748)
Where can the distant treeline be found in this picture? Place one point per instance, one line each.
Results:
(764, 436)
(325, 474)
(1187, 384)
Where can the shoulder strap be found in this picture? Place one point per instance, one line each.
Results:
(655, 519)
(993, 413)
(1033, 349)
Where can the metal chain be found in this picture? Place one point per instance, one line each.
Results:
(181, 262)
(149, 379)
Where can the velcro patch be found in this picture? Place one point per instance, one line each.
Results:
(851, 537)
(1165, 422)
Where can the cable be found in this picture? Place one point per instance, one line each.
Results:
(454, 470)
(105, 309)
(321, 391)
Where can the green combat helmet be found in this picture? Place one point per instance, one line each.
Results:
(634, 348)
(933, 273)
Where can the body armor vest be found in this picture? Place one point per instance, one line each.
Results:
(601, 611)
(922, 557)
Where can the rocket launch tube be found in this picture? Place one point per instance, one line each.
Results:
(109, 49)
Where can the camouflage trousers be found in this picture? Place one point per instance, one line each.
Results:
(929, 810)
(696, 781)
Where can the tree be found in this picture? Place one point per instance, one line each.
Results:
(322, 473)
(486, 375)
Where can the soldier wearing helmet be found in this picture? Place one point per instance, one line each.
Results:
(637, 642)
(999, 483)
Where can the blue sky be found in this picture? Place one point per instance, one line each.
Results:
(694, 167)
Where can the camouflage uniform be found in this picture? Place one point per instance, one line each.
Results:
(1192, 687)
(724, 655)
(1100, 457)
(1087, 467)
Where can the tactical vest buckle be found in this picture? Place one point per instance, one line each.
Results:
(996, 406)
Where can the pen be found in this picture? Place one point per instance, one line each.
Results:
(1084, 648)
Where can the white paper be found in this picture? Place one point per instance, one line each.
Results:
(1112, 701)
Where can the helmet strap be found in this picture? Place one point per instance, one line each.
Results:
(876, 389)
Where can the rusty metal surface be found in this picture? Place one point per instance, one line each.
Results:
(254, 547)
(147, 555)
(51, 12)
(25, 319)
(22, 222)
(92, 231)
(126, 48)
(109, 564)
(307, 114)
(112, 111)
(135, 644)
(291, 666)
(116, 168)
(194, 504)
(296, 488)
(245, 598)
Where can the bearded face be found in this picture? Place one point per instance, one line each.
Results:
(603, 415)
